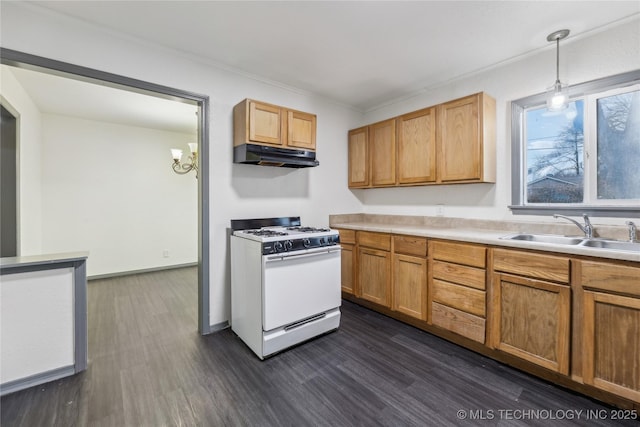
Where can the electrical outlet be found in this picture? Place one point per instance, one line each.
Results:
(165, 253)
(439, 210)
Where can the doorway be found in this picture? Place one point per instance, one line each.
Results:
(8, 191)
(45, 65)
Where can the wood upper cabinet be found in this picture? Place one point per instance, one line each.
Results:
(531, 316)
(359, 158)
(416, 161)
(382, 143)
(410, 276)
(448, 143)
(466, 140)
(256, 122)
(611, 328)
(374, 267)
(302, 130)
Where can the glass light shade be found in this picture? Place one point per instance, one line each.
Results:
(558, 99)
(193, 147)
(176, 154)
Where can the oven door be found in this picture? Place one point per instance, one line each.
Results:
(299, 285)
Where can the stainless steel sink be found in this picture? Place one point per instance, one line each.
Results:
(612, 244)
(545, 238)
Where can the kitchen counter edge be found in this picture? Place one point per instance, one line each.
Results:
(487, 237)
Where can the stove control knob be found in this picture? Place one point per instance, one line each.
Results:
(278, 246)
(306, 243)
(322, 242)
(288, 245)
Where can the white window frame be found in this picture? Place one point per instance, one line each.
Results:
(591, 149)
(589, 91)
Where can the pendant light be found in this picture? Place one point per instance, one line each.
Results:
(558, 99)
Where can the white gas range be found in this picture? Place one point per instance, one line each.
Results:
(285, 282)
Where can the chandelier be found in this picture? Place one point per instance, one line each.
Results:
(192, 162)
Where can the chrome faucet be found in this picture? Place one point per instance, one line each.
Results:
(632, 231)
(587, 228)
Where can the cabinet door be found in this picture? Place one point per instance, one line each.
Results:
(382, 140)
(410, 285)
(302, 130)
(417, 147)
(611, 343)
(359, 158)
(459, 140)
(531, 320)
(374, 276)
(347, 260)
(265, 123)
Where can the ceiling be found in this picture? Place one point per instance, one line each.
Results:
(75, 98)
(358, 53)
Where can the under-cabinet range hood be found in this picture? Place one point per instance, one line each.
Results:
(263, 155)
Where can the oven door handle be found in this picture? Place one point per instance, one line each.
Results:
(284, 256)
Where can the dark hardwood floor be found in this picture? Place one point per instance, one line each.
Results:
(149, 367)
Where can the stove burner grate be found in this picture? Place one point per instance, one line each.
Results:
(308, 229)
(266, 233)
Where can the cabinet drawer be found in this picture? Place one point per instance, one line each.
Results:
(532, 265)
(460, 274)
(460, 297)
(347, 236)
(610, 277)
(410, 245)
(465, 324)
(374, 240)
(460, 253)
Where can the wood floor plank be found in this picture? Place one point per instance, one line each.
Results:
(149, 366)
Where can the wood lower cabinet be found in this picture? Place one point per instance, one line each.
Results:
(410, 276)
(374, 267)
(531, 317)
(348, 261)
(374, 276)
(457, 288)
(576, 321)
(611, 328)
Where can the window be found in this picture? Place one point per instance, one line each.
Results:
(584, 159)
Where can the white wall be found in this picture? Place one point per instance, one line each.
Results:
(601, 54)
(29, 133)
(236, 191)
(109, 189)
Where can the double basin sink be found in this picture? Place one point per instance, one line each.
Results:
(616, 245)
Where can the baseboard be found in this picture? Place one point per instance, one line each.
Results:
(144, 270)
(217, 327)
(37, 379)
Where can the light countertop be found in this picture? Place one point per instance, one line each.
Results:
(486, 237)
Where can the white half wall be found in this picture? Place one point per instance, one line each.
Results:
(109, 189)
(36, 323)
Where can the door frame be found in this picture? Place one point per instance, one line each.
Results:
(50, 66)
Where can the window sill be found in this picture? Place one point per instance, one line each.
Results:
(596, 211)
